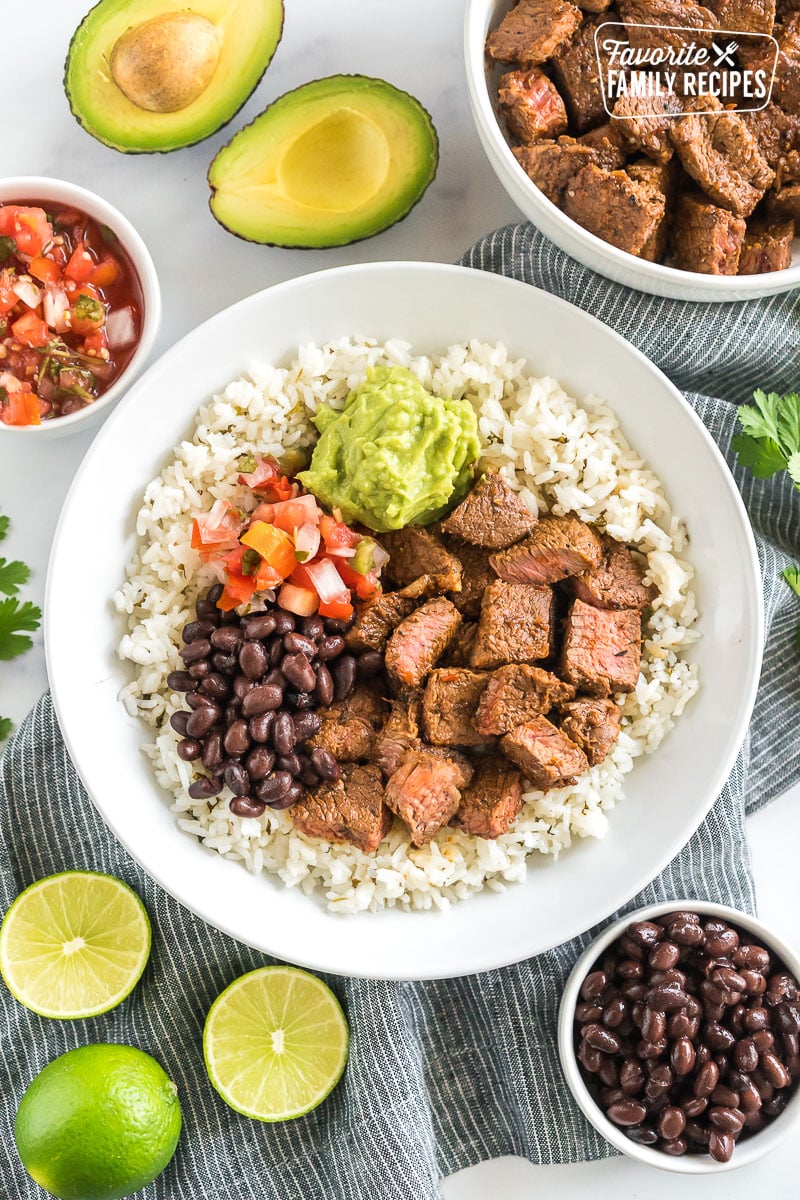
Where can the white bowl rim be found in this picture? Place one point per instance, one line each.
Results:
(474, 16)
(465, 963)
(38, 187)
(746, 1152)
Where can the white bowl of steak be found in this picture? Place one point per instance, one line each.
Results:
(620, 194)
(665, 793)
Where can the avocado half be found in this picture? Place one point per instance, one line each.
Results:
(332, 162)
(248, 32)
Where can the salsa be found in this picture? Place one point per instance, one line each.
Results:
(70, 311)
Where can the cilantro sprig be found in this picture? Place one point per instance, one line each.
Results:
(18, 618)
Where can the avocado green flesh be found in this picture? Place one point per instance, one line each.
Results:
(249, 31)
(395, 455)
(334, 161)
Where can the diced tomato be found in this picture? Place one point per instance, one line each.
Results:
(87, 322)
(274, 546)
(105, 272)
(299, 600)
(44, 269)
(238, 590)
(267, 479)
(22, 408)
(29, 228)
(81, 264)
(95, 342)
(337, 610)
(216, 530)
(31, 330)
(8, 297)
(365, 586)
(291, 514)
(337, 535)
(262, 512)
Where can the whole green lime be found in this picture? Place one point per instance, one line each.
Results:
(98, 1123)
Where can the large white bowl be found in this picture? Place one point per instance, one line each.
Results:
(432, 306)
(592, 251)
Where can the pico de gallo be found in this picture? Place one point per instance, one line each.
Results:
(70, 311)
(312, 561)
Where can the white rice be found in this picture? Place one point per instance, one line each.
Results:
(561, 455)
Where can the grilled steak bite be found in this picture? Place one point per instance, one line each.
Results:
(602, 649)
(784, 204)
(620, 210)
(476, 575)
(420, 640)
(576, 71)
(746, 16)
(767, 247)
(778, 136)
(375, 620)
(448, 706)
(531, 105)
(400, 733)
(642, 128)
(667, 14)
(593, 725)
(556, 548)
(516, 693)
(491, 515)
(553, 165)
(761, 55)
(617, 582)
(349, 810)
(515, 625)
(721, 154)
(415, 552)
(459, 653)
(348, 729)
(607, 142)
(490, 804)
(425, 790)
(705, 237)
(533, 31)
(544, 754)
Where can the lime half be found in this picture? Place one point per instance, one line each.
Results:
(74, 945)
(275, 1043)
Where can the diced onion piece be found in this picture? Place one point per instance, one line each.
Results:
(9, 382)
(298, 600)
(380, 557)
(28, 292)
(340, 551)
(55, 308)
(121, 327)
(327, 581)
(306, 542)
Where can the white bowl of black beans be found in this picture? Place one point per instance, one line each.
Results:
(679, 1036)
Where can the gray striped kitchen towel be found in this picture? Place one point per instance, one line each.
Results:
(442, 1074)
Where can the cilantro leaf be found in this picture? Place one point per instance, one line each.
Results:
(771, 438)
(761, 455)
(15, 617)
(12, 576)
(792, 577)
(5, 728)
(793, 467)
(3, 527)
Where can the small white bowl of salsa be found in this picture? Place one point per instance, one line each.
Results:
(80, 306)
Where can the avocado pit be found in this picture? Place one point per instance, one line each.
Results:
(164, 64)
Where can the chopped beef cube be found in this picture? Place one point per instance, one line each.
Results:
(400, 733)
(491, 515)
(533, 31)
(784, 204)
(577, 73)
(672, 19)
(531, 105)
(642, 128)
(602, 649)
(553, 165)
(618, 582)
(349, 810)
(608, 144)
(595, 6)
(460, 651)
(415, 552)
(706, 238)
(448, 706)
(516, 693)
(425, 790)
(348, 728)
(617, 209)
(490, 804)
(761, 55)
(476, 575)
(778, 137)
(720, 153)
(544, 754)
(746, 16)
(557, 547)
(515, 625)
(419, 642)
(591, 724)
(375, 620)
(767, 247)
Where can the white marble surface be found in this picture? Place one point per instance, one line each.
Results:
(416, 45)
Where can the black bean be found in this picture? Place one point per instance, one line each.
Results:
(200, 700)
(233, 712)
(290, 763)
(745, 1055)
(602, 1039)
(300, 699)
(227, 664)
(729, 1120)
(246, 806)
(207, 612)
(306, 724)
(204, 788)
(216, 686)
(299, 672)
(196, 630)
(284, 622)
(717, 1036)
(631, 1076)
(674, 1147)
(202, 720)
(180, 681)
(671, 1122)
(330, 647)
(332, 625)
(214, 593)
(295, 643)
(196, 650)
(313, 628)
(706, 1080)
(237, 738)
(295, 792)
(284, 734)
(261, 699)
(212, 750)
(253, 660)
(774, 1070)
(260, 727)
(756, 958)
(275, 651)
(309, 776)
(241, 686)
(594, 985)
(258, 625)
(344, 676)
(178, 722)
(720, 1145)
(259, 762)
(236, 778)
(189, 749)
(323, 692)
(274, 787)
(654, 1025)
(226, 638)
(199, 670)
(787, 1018)
(643, 1135)
(774, 1107)
(369, 664)
(627, 1112)
(645, 933)
(276, 677)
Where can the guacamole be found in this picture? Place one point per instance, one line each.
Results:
(395, 455)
